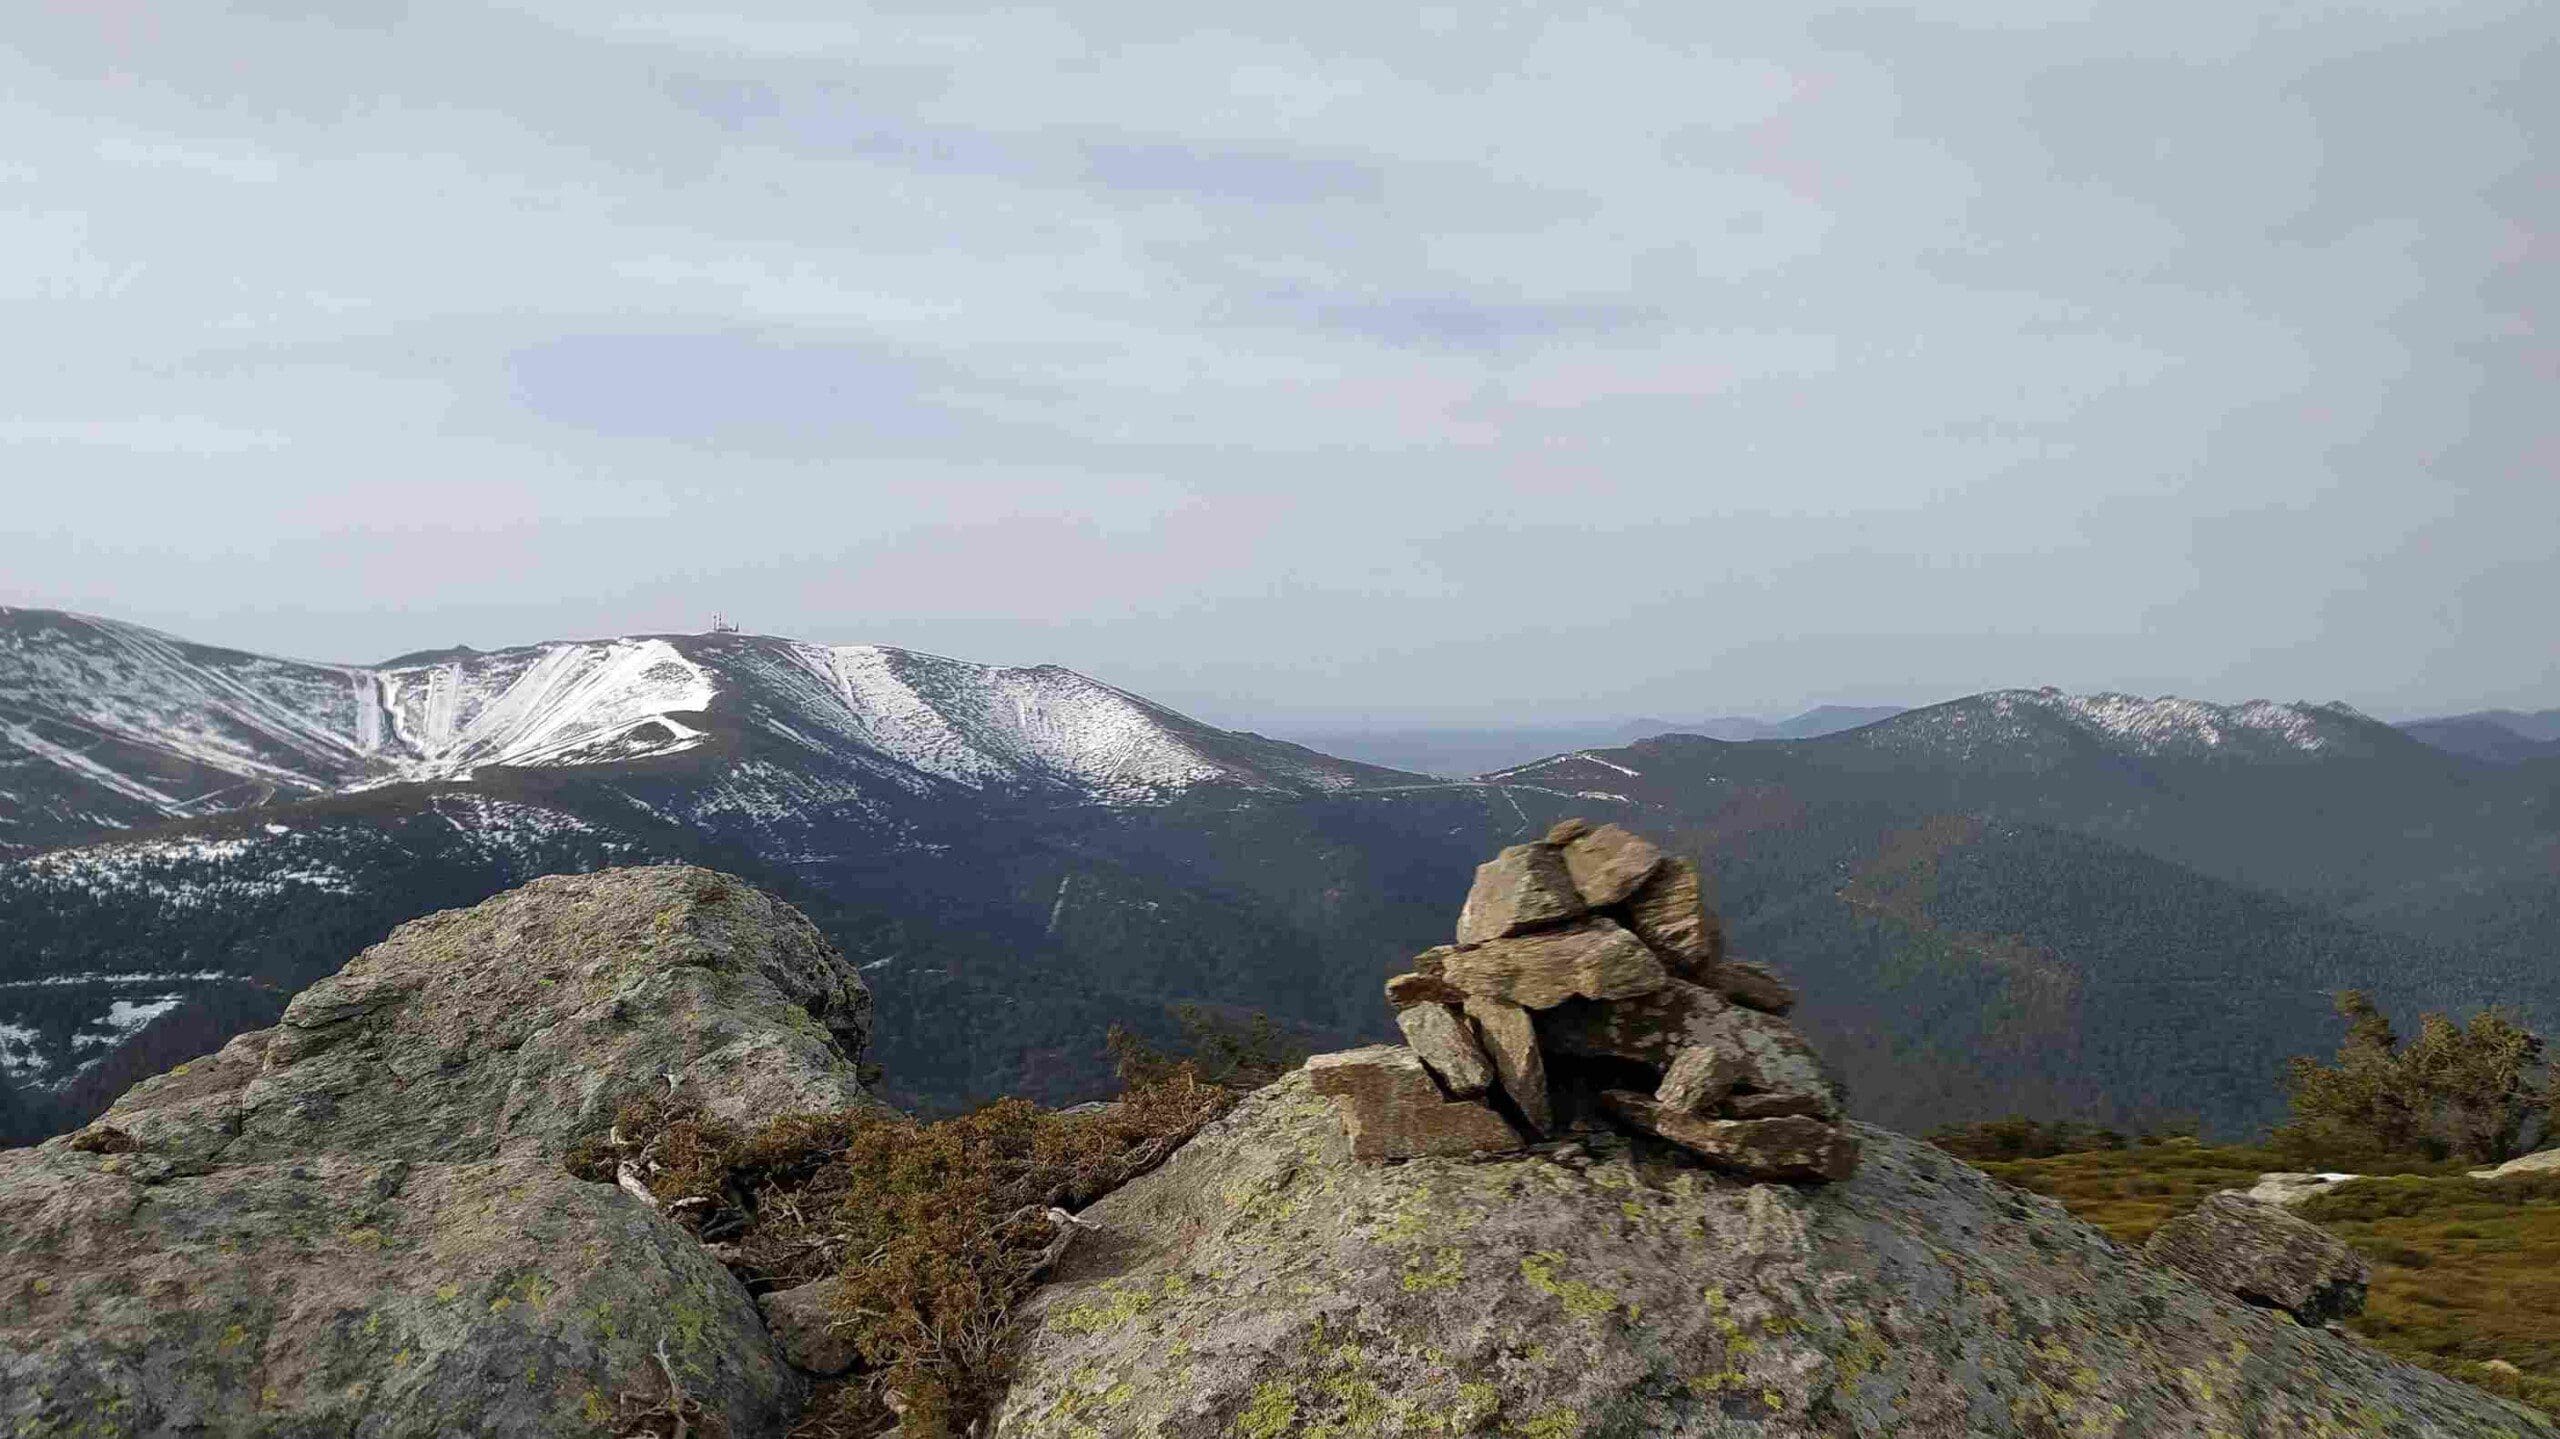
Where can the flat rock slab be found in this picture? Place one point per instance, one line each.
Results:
(1265, 1283)
(1520, 889)
(1591, 959)
(516, 1026)
(1392, 1109)
(2262, 1254)
(367, 1298)
(1791, 1147)
(1411, 989)
(1609, 863)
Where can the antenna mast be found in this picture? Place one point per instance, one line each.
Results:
(722, 625)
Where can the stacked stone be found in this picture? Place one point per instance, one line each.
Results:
(1589, 987)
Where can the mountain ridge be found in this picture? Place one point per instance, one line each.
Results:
(1021, 857)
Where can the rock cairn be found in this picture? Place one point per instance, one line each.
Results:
(1589, 989)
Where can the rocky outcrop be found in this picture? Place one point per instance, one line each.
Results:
(513, 1027)
(358, 1222)
(2290, 1189)
(2544, 1162)
(1588, 963)
(1265, 1282)
(337, 1295)
(2262, 1254)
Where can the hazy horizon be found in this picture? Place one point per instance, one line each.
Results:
(1438, 367)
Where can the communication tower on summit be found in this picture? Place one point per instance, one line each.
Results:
(722, 625)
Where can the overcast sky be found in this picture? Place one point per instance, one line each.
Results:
(1486, 361)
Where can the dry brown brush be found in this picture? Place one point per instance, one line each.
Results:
(935, 1230)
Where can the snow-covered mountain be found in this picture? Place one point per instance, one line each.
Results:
(2047, 725)
(108, 725)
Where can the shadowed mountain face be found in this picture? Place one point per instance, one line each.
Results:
(2086, 906)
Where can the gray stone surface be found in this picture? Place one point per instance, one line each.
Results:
(372, 1298)
(1510, 1039)
(358, 1222)
(1590, 959)
(2264, 1254)
(1520, 889)
(1264, 1284)
(1447, 1046)
(2290, 1189)
(515, 1026)
(2543, 1162)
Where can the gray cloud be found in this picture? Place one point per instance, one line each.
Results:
(1322, 362)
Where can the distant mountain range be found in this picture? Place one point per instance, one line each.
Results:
(2097, 906)
(2497, 736)
(1463, 751)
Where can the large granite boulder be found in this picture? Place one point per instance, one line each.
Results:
(358, 1222)
(514, 1027)
(2262, 1253)
(360, 1297)
(1265, 1283)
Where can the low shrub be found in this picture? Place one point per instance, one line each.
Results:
(937, 1230)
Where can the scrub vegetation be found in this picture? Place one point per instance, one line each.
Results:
(2466, 1271)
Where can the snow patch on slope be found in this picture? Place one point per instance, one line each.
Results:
(567, 704)
(2033, 722)
(983, 726)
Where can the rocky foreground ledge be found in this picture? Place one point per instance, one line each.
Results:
(359, 1223)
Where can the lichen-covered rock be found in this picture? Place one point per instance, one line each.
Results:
(2263, 1254)
(1754, 985)
(1699, 1078)
(1447, 1047)
(1781, 1147)
(1669, 912)
(358, 1222)
(1652, 1029)
(362, 1297)
(1263, 1284)
(514, 1028)
(1609, 863)
(1391, 1108)
(1518, 890)
(1510, 1040)
(1592, 959)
